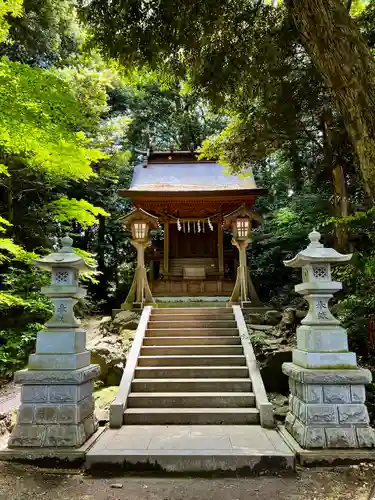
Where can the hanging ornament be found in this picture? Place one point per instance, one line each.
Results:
(183, 223)
(199, 226)
(178, 225)
(203, 229)
(188, 226)
(194, 227)
(210, 225)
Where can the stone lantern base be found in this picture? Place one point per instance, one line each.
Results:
(326, 407)
(57, 408)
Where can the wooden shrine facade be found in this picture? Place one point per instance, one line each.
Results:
(193, 255)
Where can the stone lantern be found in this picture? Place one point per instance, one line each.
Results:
(327, 403)
(140, 223)
(57, 406)
(241, 221)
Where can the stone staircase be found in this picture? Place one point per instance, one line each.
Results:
(191, 370)
(191, 400)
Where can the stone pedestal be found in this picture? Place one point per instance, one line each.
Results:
(57, 405)
(57, 408)
(326, 408)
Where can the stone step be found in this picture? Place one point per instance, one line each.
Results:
(206, 340)
(192, 450)
(197, 323)
(186, 350)
(192, 360)
(192, 385)
(191, 400)
(191, 416)
(192, 317)
(192, 310)
(168, 372)
(191, 332)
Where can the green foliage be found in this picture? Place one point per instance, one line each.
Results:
(44, 33)
(39, 123)
(8, 8)
(358, 7)
(82, 211)
(23, 310)
(10, 251)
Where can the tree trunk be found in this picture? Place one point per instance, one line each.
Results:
(338, 50)
(337, 174)
(341, 205)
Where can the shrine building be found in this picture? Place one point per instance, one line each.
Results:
(194, 202)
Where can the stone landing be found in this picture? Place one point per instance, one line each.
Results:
(191, 449)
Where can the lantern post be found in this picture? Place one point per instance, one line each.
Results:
(241, 221)
(57, 405)
(140, 224)
(327, 403)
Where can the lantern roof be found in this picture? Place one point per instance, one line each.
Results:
(138, 214)
(315, 252)
(243, 211)
(65, 257)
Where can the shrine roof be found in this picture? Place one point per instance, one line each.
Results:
(183, 172)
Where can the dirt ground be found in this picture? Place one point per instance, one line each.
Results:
(20, 482)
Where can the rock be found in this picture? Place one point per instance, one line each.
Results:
(105, 325)
(115, 375)
(260, 328)
(109, 353)
(3, 415)
(288, 319)
(279, 399)
(3, 427)
(125, 320)
(301, 314)
(272, 317)
(117, 485)
(255, 318)
(280, 405)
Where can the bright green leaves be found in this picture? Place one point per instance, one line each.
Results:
(8, 8)
(358, 6)
(40, 122)
(11, 251)
(67, 210)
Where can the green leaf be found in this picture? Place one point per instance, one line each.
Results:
(68, 210)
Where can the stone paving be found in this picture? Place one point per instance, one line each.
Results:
(191, 448)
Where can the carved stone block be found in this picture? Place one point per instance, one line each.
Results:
(321, 414)
(358, 393)
(341, 437)
(336, 393)
(315, 437)
(353, 414)
(365, 437)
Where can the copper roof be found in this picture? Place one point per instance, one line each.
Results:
(183, 172)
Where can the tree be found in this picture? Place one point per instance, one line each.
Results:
(217, 43)
(44, 33)
(339, 51)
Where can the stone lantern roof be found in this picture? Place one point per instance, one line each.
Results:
(66, 256)
(315, 253)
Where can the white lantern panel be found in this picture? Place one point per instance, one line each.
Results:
(320, 272)
(242, 227)
(140, 230)
(63, 276)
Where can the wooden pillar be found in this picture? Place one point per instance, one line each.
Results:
(166, 247)
(220, 247)
(139, 292)
(240, 291)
